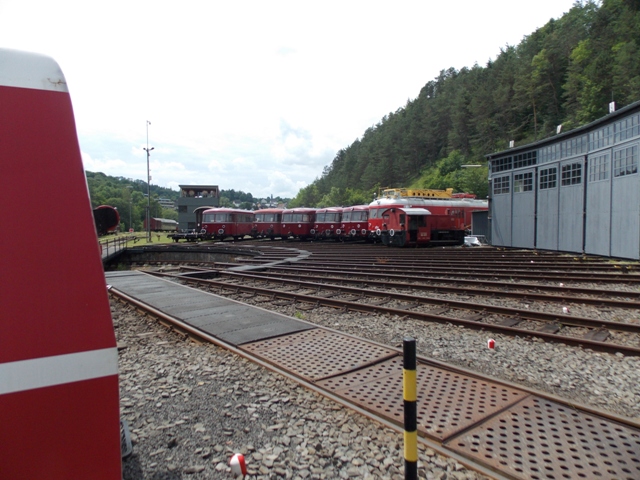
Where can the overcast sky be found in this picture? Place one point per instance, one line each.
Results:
(250, 95)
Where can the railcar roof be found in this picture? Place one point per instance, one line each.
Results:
(415, 211)
(30, 70)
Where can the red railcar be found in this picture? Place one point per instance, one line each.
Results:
(457, 207)
(267, 223)
(298, 223)
(328, 224)
(355, 222)
(419, 227)
(220, 223)
(161, 225)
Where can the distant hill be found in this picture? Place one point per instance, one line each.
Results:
(565, 73)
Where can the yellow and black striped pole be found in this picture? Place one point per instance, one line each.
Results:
(410, 388)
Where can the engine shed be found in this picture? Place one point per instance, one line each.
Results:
(577, 191)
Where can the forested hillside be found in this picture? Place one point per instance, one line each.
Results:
(566, 72)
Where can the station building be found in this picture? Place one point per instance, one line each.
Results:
(193, 200)
(577, 191)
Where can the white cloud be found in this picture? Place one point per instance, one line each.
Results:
(255, 96)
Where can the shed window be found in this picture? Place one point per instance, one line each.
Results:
(627, 128)
(500, 185)
(523, 182)
(501, 164)
(625, 161)
(524, 160)
(571, 174)
(548, 178)
(599, 168)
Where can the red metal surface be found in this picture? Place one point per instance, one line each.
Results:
(62, 432)
(54, 301)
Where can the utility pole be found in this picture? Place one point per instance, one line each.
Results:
(148, 150)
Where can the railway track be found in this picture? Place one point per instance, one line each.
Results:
(578, 331)
(451, 394)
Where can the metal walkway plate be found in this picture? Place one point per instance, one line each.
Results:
(448, 402)
(319, 353)
(230, 321)
(542, 439)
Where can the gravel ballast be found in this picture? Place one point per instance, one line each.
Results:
(191, 406)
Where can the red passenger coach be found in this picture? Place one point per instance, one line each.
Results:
(298, 223)
(227, 222)
(267, 223)
(59, 399)
(355, 222)
(328, 224)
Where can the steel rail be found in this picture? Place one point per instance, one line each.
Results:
(434, 317)
(431, 273)
(180, 326)
(194, 333)
(514, 312)
(419, 262)
(601, 301)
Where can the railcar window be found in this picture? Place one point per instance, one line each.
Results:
(346, 216)
(501, 185)
(375, 213)
(320, 217)
(571, 174)
(625, 161)
(305, 217)
(359, 216)
(523, 182)
(548, 178)
(599, 168)
(287, 217)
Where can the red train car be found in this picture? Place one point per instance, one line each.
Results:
(161, 225)
(267, 223)
(299, 223)
(59, 398)
(221, 223)
(419, 227)
(107, 219)
(459, 207)
(355, 222)
(328, 224)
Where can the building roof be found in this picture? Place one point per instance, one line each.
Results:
(635, 106)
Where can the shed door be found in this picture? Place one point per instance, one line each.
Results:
(571, 206)
(523, 215)
(547, 217)
(501, 210)
(625, 204)
(598, 227)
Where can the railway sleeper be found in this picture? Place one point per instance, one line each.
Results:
(549, 328)
(597, 335)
